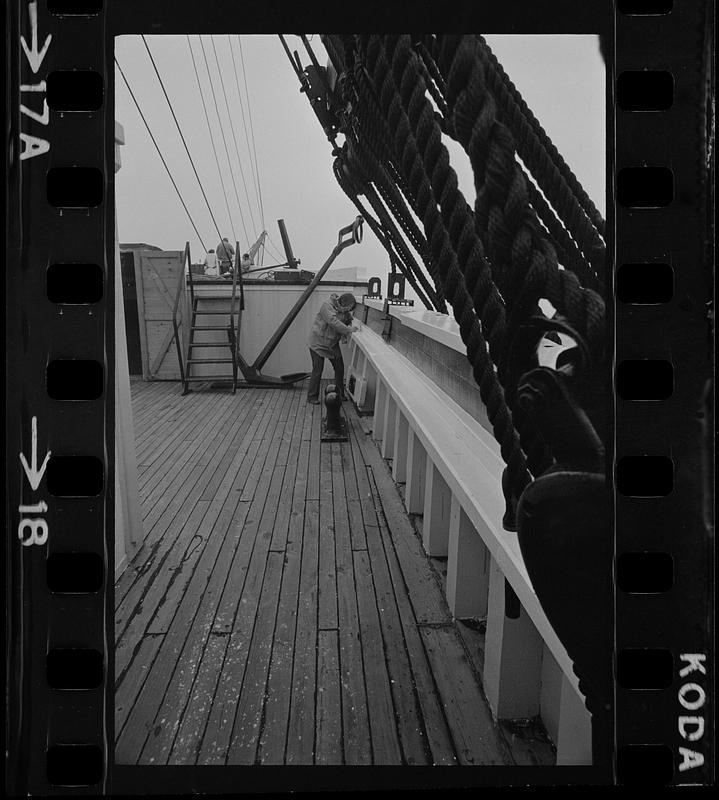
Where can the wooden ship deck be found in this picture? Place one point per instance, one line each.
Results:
(281, 609)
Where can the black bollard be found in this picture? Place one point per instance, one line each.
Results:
(334, 428)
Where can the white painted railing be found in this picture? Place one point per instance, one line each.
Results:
(451, 468)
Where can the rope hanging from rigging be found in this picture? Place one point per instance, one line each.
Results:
(393, 98)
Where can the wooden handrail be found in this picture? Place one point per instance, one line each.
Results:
(186, 260)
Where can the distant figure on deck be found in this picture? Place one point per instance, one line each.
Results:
(211, 267)
(246, 263)
(332, 323)
(226, 256)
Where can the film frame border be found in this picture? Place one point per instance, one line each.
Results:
(84, 427)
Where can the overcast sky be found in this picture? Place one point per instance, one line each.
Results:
(562, 78)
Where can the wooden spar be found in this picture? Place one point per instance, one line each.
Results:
(292, 262)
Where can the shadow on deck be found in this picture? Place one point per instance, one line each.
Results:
(281, 609)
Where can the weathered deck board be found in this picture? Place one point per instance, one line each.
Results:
(281, 609)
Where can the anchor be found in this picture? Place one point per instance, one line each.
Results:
(252, 373)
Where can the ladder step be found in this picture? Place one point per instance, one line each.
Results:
(209, 378)
(201, 312)
(209, 344)
(209, 360)
(209, 327)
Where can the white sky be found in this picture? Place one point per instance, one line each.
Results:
(562, 78)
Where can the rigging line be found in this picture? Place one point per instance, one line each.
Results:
(179, 129)
(274, 252)
(234, 138)
(212, 140)
(159, 153)
(222, 132)
(252, 130)
(255, 179)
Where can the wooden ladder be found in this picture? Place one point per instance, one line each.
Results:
(231, 327)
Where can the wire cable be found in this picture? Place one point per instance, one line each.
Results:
(222, 133)
(159, 153)
(255, 179)
(252, 130)
(179, 129)
(237, 151)
(212, 139)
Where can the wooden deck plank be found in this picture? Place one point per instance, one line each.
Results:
(475, 735)
(425, 593)
(327, 609)
(386, 748)
(329, 712)
(246, 732)
(126, 691)
(409, 718)
(352, 498)
(438, 734)
(355, 722)
(294, 457)
(301, 724)
(273, 737)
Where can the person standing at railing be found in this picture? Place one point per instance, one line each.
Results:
(226, 256)
(332, 323)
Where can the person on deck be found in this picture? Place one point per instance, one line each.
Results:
(246, 263)
(210, 262)
(226, 255)
(332, 323)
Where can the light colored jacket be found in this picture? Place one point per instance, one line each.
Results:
(211, 267)
(330, 325)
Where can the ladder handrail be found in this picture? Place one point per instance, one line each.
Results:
(234, 334)
(186, 260)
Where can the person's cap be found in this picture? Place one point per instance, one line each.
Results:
(348, 299)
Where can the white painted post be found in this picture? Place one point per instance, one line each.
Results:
(467, 567)
(574, 739)
(512, 656)
(380, 401)
(437, 502)
(128, 522)
(401, 432)
(416, 473)
(390, 413)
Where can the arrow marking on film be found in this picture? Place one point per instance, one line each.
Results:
(34, 475)
(34, 56)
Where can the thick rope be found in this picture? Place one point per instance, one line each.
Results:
(569, 254)
(513, 237)
(538, 152)
(509, 97)
(447, 260)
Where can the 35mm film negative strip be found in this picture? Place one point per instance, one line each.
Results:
(498, 553)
